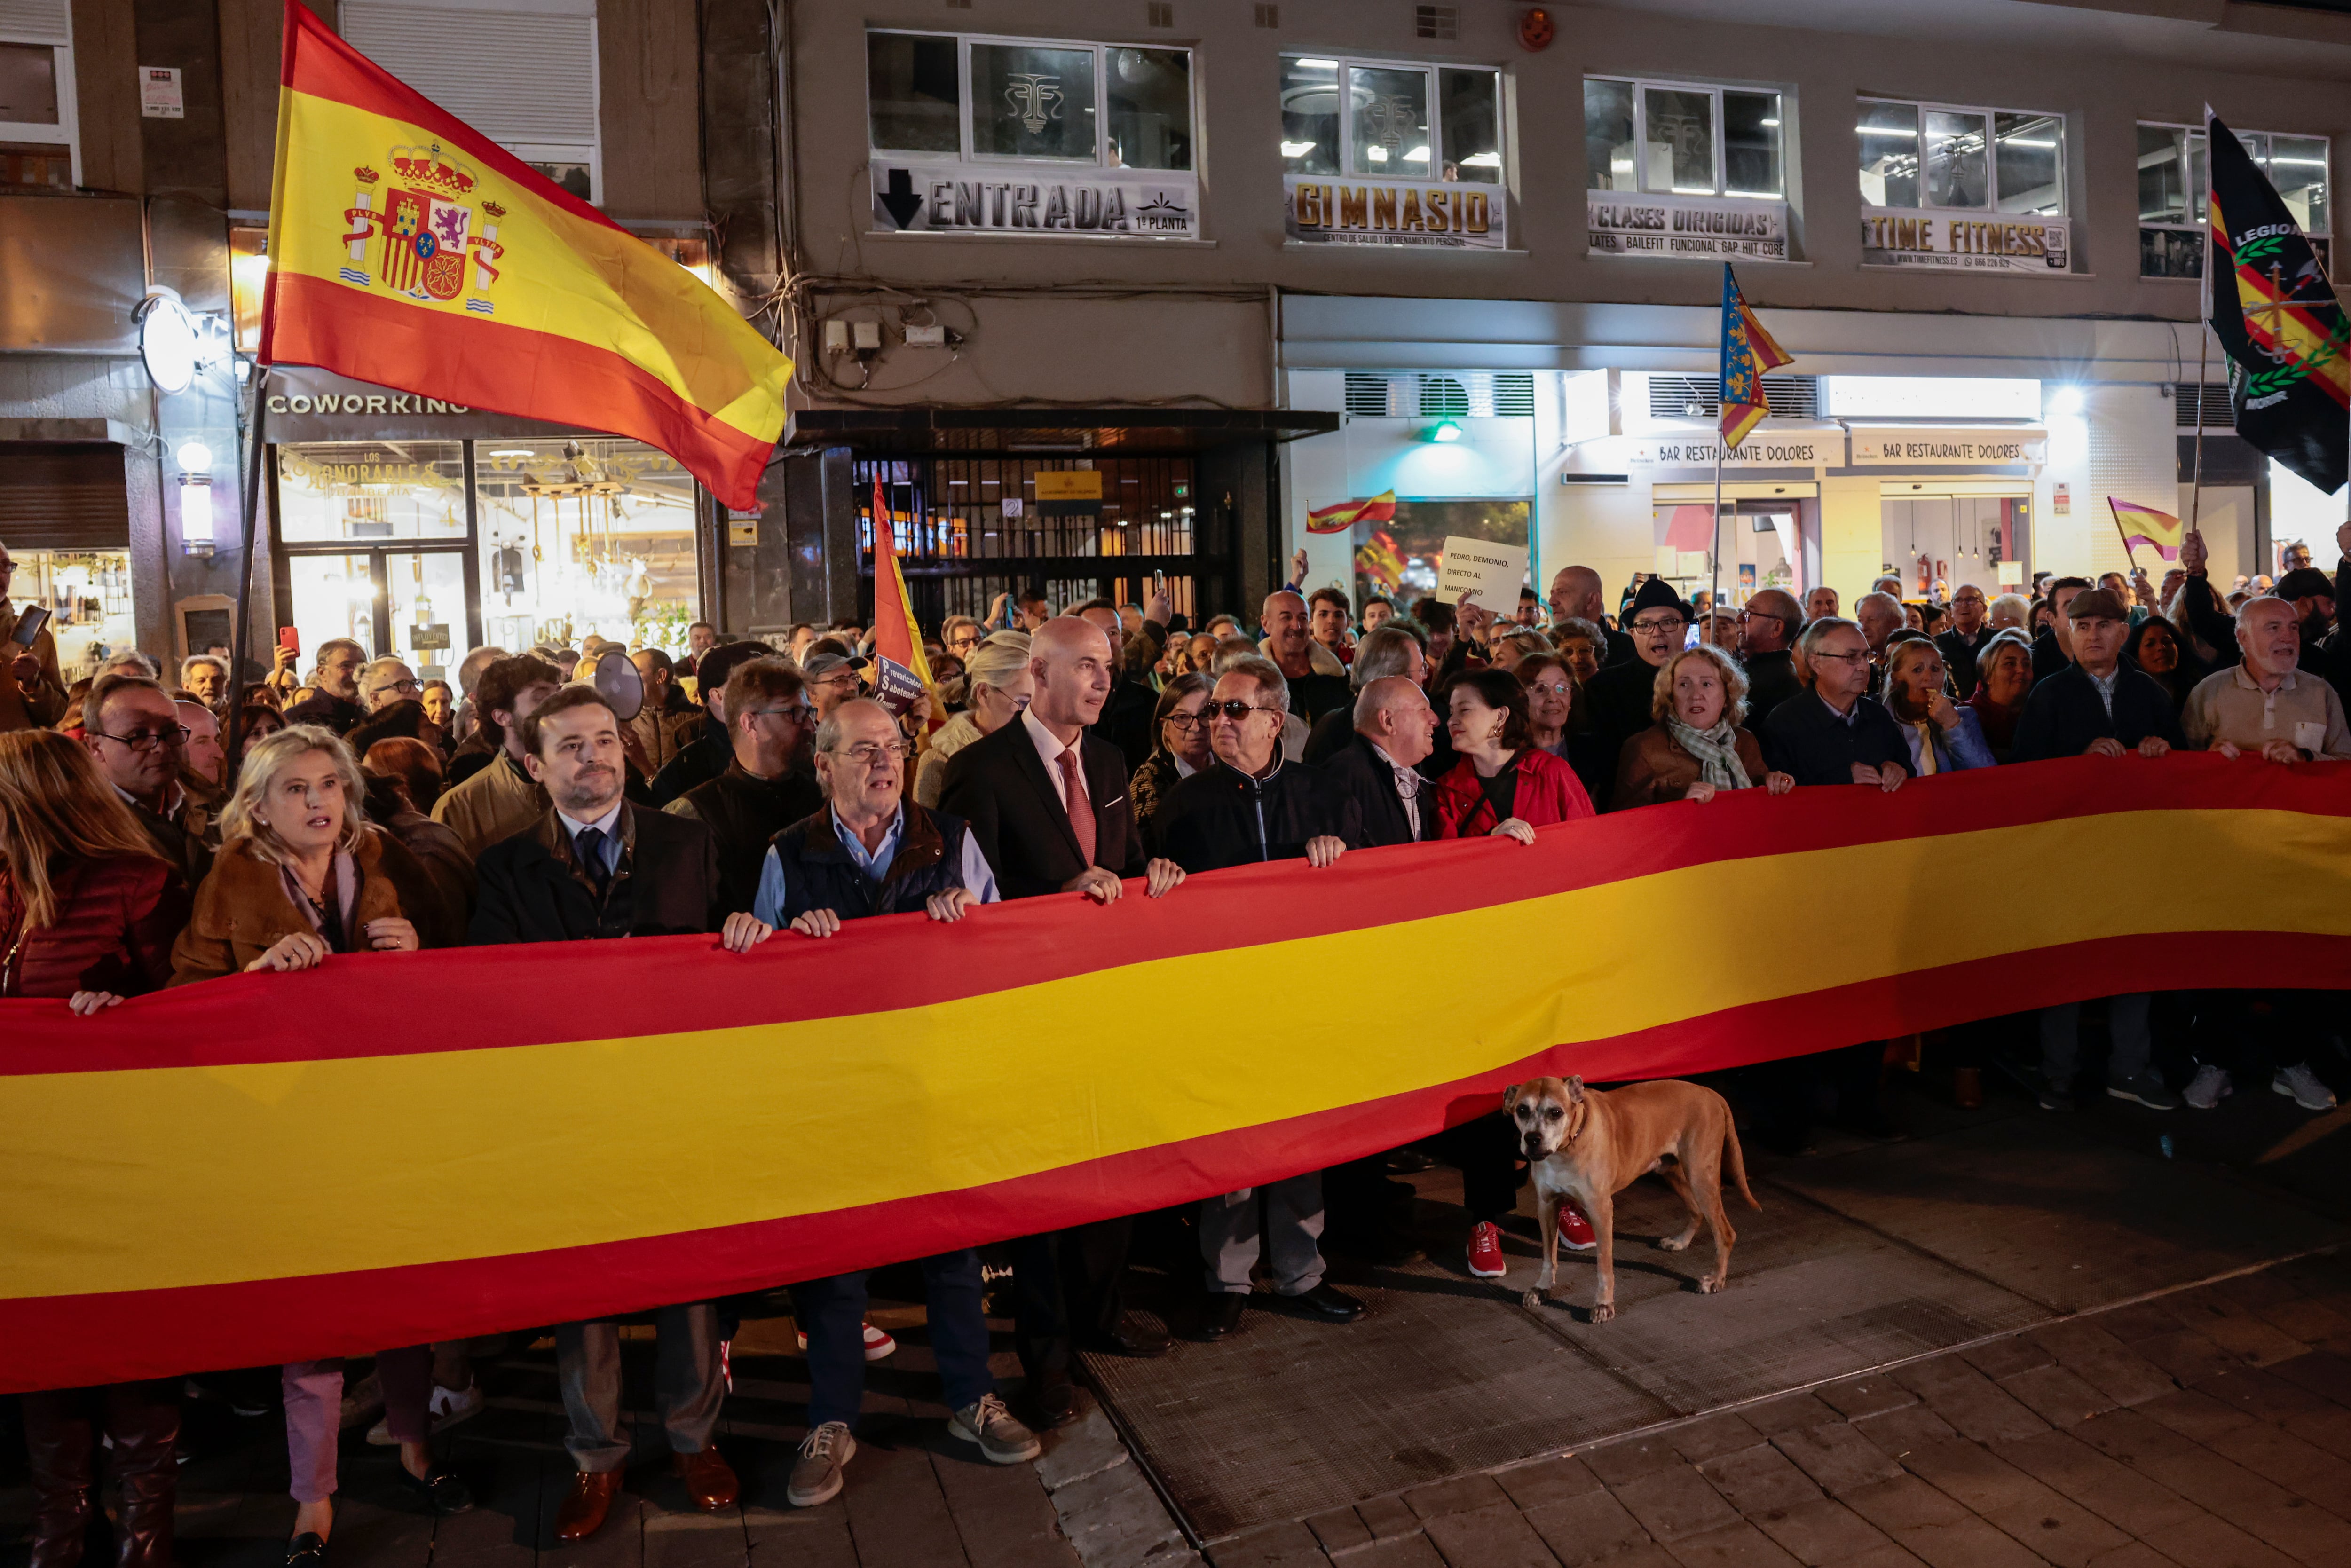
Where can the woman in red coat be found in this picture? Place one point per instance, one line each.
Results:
(1504, 784)
(1507, 786)
(87, 913)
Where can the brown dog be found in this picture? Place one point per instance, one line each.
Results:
(1587, 1147)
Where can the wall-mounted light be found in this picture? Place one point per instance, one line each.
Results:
(1443, 430)
(196, 461)
(175, 342)
(2065, 400)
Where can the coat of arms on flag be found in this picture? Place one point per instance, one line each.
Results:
(427, 228)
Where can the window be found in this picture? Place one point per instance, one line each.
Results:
(522, 72)
(1099, 105)
(1663, 139)
(37, 151)
(1962, 158)
(1386, 120)
(2172, 196)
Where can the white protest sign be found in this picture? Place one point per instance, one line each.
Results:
(1494, 572)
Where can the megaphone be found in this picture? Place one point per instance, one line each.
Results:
(614, 676)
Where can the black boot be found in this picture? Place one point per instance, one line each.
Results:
(57, 1441)
(143, 1420)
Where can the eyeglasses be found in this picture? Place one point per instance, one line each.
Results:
(1551, 688)
(143, 740)
(1187, 722)
(405, 688)
(798, 713)
(867, 754)
(1231, 708)
(1660, 623)
(1842, 658)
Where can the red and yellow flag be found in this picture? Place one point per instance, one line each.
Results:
(2145, 526)
(1341, 515)
(299, 1170)
(408, 249)
(895, 634)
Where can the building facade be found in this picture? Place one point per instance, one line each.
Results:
(1109, 298)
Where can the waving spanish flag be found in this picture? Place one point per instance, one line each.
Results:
(1338, 517)
(1748, 351)
(408, 249)
(2145, 526)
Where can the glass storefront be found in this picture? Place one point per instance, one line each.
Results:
(87, 594)
(428, 549)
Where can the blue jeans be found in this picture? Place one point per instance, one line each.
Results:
(831, 1313)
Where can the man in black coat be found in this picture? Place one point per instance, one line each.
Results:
(1252, 807)
(2053, 650)
(1835, 732)
(1047, 804)
(764, 789)
(1620, 695)
(1383, 651)
(1971, 629)
(2097, 704)
(707, 756)
(597, 866)
(1577, 594)
(1767, 641)
(1394, 731)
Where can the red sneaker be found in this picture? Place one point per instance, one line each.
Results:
(1486, 1260)
(1574, 1230)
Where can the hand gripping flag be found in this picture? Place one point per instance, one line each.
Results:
(408, 249)
(2145, 526)
(1338, 518)
(1748, 351)
(2276, 315)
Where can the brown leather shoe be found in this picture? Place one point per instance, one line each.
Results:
(709, 1480)
(587, 1503)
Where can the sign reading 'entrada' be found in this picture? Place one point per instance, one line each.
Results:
(1453, 215)
(988, 198)
(1894, 237)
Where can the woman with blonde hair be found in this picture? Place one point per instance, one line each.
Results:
(87, 911)
(1697, 745)
(996, 686)
(303, 876)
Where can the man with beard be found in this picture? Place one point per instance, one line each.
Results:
(1576, 594)
(1289, 644)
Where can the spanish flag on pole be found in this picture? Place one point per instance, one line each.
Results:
(1341, 515)
(408, 249)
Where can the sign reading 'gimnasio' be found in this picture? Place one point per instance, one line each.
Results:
(1453, 215)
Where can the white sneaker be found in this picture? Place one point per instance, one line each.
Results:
(2207, 1088)
(447, 1408)
(878, 1342)
(2301, 1082)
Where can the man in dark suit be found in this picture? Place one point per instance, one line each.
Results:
(132, 727)
(1620, 695)
(2053, 650)
(763, 791)
(1971, 629)
(1835, 732)
(1394, 731)
(2097, 704)
(1767, 640)
(1047, 804)
(596, 866)
(1383, 651)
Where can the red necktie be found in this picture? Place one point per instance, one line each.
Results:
(1081, 810)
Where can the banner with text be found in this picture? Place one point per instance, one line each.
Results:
(1765, 448)
(1977, 242)
(1911, 447)
(1725, 228)
(1450, 214)
(946, 196)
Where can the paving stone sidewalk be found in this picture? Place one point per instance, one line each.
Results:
(2206, 1429)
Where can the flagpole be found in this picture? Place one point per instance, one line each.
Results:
(256, 438)
(1714, 541)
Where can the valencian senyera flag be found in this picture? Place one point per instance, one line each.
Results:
(408, 249)
(1748, 351)
(2145, 526)
(1338, 517)
(2276, 315)
(265, 1168)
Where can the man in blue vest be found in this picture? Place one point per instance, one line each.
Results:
(872, 852)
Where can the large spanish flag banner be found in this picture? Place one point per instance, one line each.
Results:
(408, 249)
(403, 1147)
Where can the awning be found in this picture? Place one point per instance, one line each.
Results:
(1049, 430)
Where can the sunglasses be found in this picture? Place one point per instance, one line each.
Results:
(1231, 708)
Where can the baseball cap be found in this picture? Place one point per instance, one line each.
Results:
(823, 664)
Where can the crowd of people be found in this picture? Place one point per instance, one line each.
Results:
(160, 831)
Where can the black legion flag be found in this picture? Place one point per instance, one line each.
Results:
(2276, 315)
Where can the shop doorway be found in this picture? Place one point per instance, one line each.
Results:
(1765, 534)
(969, 527)
(414, 604)
(1939, 534)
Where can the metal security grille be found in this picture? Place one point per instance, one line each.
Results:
(1466, 394)
(521, 75)
(2217, 415)
(1439, 22)
(960, 546)
(1787, 397)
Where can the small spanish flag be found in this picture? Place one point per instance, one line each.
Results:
(895, 634)
(1748, 351)
(2145, 526)
(408, 249)
(1345, 515)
